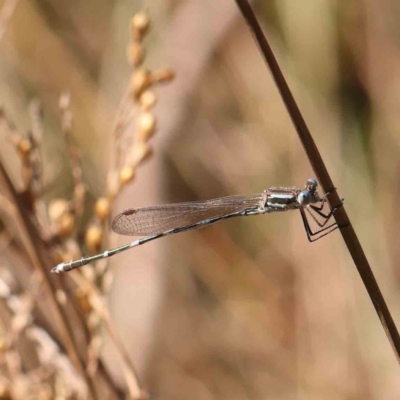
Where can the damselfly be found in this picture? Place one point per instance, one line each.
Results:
(164, 220)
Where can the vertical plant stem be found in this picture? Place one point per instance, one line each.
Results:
(345, 226)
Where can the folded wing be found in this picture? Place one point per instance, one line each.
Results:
(158, 219)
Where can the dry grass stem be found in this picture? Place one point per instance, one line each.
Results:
(341, 217)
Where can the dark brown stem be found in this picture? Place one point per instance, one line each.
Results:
(346, 229)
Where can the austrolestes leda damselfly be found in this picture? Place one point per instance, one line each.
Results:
(159, 221)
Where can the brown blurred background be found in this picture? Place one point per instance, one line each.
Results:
(247, 308)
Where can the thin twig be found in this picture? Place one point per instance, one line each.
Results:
(346, 229)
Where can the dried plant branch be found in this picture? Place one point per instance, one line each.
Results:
(78, 201)
(53, 229)
(33, 246)
(345, 226)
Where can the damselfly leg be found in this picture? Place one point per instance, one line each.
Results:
(321, 221)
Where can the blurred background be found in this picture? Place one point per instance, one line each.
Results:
(247, 308)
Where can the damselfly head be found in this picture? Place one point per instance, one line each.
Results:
(304, 198)
(311, 185)
(309, 194)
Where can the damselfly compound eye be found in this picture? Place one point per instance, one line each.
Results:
(304, 198)
(311, 184)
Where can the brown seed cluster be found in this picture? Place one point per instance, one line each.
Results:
(65, 215)
(143, 96)
(141, 100)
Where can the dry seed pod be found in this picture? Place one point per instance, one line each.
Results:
(126, 175)
(66, 224)
(24, 147)
(141, 152)
(93, 239)
(163, 75)
(94, 320)
(147, 100)
(113, 185)
(61, 296)
(83, 300)
(135, 54)
(140, 24)
(20, 321)
(102, 208)
(141, 80)
(57, 208)
(89, 273)
(147, 125)
(79, 192)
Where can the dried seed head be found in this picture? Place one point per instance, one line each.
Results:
(163, 75)
(141, 80)
(57, 208)
(61, 296)
(79, 192)
(89, 273)
(83, 300)
(140, 24)
(20, 321)
(66, 224)
(140, 153)
(94, 320)
(126, 175)
(93, 238)
(112, 185)
(147, 125)
(102, 208)
(147, 100)
(135, 53)
(24, 147)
